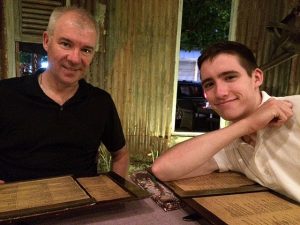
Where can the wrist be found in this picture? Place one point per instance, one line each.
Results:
(243, 127)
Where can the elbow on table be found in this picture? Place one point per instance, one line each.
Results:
(160, 172)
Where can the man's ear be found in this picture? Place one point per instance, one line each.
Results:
(258, 77)
(45, 40)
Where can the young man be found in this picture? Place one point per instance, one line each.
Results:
(262, 140)
(53, 123)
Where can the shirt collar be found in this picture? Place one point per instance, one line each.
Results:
(82, 91)
(265, 97)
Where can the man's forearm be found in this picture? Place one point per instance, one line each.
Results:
(120, 162)
(193, 155)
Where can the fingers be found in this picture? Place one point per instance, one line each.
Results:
(2, 182)
(282, 111)
(272, 113)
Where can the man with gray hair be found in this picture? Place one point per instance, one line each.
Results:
(53, 123)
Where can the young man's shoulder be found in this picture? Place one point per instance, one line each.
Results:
(295, 100)
(292, 98)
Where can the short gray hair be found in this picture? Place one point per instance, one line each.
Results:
(84, 16)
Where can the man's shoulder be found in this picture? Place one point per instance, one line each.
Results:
(293, 98)
(9, 81)
(15, 83)
(290, 97)
(95, 91)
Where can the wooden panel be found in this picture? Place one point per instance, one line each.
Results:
(294, 79)
(252, 19)
(141, 46)
(34, 18)
(96, 75)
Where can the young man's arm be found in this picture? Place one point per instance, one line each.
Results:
(194, 157)
(120, 161)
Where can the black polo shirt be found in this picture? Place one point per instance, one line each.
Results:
(40, 138)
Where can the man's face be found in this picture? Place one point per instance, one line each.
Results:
(70, 49)
(231, 92)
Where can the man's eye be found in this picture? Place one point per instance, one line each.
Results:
(87, 51)
(208, 85)
(230, 77)
(65, 44)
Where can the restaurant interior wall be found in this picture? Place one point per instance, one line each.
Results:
(138, 60)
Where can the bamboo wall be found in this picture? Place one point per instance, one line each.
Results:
(98, 9)
(140, 65)
(136, 61)
(140, 69)
(249, 27)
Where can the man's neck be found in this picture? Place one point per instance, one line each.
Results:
(58, 92)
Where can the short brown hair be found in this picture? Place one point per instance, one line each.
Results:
(245, 55)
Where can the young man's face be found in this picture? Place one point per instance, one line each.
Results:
(70, 49)
(231, 92)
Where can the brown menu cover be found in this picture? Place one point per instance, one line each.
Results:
(42, 197)
(259, 208)
(213, 184)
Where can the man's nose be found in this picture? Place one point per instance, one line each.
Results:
(221, 90)
(74, 56)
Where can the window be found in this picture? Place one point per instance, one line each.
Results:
(31, 57)
(203, 23)
(25, 22)
(188, 69)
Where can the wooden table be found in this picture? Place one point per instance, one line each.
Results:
(139, 212)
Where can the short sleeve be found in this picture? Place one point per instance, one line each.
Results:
(113, 137)
(222, 160)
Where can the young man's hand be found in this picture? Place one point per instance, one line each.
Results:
(271, 113)
(2, 182)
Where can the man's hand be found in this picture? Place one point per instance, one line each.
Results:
(2, 182)
(271, 113)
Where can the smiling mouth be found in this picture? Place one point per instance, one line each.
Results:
(71, 68)
(224, 102)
